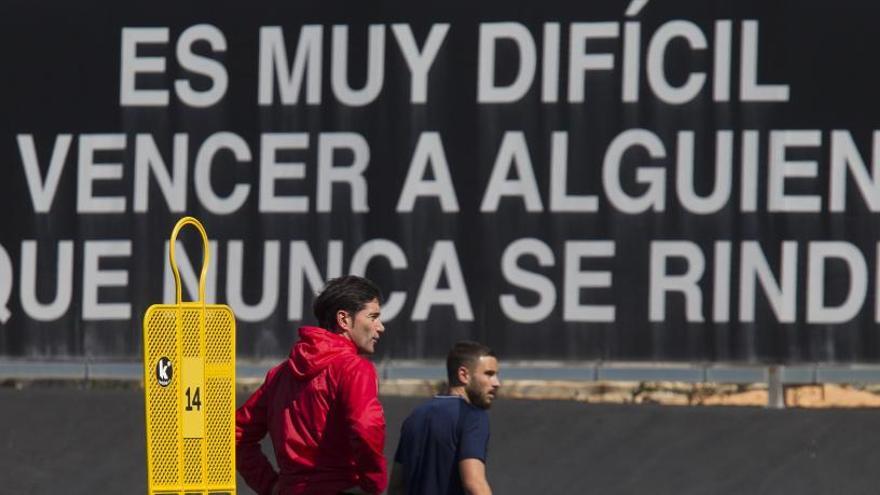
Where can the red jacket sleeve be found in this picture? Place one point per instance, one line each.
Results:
(359, 392)
(250, 427)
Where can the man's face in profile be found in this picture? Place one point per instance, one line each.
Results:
(367, 328)
(483, 383)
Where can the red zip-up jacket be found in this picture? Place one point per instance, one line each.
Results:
(321, 409)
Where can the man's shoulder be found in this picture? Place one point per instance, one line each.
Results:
(473, 418)
(345, 367)
(277, 370)
(438, 417)
(439, 406)
(477, 412)
(353, 362)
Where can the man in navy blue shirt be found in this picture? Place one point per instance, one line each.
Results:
(443, 442)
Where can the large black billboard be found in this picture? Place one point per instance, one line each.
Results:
(678, 181)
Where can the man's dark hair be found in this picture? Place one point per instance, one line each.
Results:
(464, 353)
(350, 293)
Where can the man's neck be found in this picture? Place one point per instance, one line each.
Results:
(459, 391)
(339, 331)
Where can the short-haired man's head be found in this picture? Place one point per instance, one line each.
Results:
(349, 293)
(464, 353)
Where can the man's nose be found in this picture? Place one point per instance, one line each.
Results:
(380, 327)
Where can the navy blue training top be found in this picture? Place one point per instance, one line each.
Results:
(434, 438)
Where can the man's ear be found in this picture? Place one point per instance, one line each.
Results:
(464, 375)
(343, 320)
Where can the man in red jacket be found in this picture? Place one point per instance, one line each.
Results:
(321, 406)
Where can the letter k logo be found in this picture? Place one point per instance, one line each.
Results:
(164, 371)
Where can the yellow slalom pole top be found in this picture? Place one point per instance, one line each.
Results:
(206, 256)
